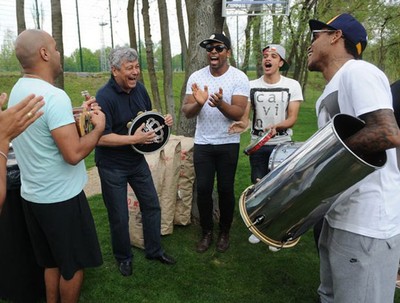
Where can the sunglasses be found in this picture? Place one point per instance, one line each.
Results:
(315, 33)
(218, 48)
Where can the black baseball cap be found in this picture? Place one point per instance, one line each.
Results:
(221, 38)
(350, 27)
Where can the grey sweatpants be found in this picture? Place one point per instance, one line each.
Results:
(355, 268)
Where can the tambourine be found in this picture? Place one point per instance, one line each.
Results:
(252, 148)
(153, 122)
(82, 120)
(82, 117)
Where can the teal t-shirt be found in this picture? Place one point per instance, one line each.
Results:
(45, 176)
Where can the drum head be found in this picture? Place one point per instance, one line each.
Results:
(11, 160)
(281, 152)
(153, 122)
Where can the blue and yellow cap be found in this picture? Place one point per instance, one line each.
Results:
(352, 29)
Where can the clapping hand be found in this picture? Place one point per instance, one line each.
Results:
(200, 95)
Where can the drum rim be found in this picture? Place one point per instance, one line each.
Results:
(255, 231)
(261, 141)
(148, 113)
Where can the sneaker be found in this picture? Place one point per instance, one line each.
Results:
(253, 239)
(273, 249)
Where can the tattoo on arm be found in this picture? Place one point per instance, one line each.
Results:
(381, 132)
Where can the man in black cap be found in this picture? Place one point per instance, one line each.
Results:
(359, 244)
(216, 95)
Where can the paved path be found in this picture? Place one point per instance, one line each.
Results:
(93, 185)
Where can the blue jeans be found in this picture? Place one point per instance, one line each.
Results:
(114, 189)
(259, 162)
(220, 160)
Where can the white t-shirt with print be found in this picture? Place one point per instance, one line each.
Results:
(270, 103)
(370, 207)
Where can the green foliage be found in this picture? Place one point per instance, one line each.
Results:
(8, 61)
(381, 19)
(384, 38)
(98, 61)
(91, 62)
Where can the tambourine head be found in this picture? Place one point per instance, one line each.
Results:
(153, 122)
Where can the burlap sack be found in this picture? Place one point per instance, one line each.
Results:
(186, 180)
(157, 165)
(156, 161)
(135, 220)
(167, 195)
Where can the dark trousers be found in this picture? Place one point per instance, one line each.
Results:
(259, 162)
(220, 160)
(114, 189)
(21, 278)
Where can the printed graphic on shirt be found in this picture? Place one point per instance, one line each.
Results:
(269, 106)
(330, 104)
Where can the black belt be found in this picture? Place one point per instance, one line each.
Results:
(260, 132)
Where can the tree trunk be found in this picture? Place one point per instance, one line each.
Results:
(204, 18)
(181, 29)
(36, 15)
(298, 28)
(257, 47)
(131, 24)
(232, 60)
(166, 59)
(21, 25)
(150, 56)
(56, 26)
(247, 35)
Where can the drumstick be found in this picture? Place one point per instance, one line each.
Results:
(86, 94)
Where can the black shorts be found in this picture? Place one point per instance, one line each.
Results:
(63, 235)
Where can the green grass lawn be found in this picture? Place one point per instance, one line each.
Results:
(245, 273)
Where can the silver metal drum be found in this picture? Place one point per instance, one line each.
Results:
(13, 173)
(281, 152)
(296, 194)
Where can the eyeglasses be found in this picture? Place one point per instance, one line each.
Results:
(314, 33)
(219, 48)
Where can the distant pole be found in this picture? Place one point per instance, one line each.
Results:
(103, 63)
(37, 15)
(111, 24)
(79, 35)
(138, 30)
(237, 41)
